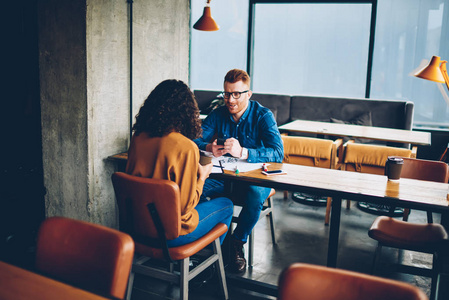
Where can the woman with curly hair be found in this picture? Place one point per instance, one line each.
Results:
(162, 148)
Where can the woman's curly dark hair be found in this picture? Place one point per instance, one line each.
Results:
(171, 106)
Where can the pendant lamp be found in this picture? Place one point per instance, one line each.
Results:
(206, 23)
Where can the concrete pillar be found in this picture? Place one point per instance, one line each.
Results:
(85, 91)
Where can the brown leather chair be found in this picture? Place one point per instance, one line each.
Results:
(422, 169)
(312, 152)
(366, 158)
(150, 211)
(86, 255)
(309, 282)
(428, 238)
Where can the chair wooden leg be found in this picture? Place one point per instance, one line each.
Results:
(129, 290)
(406, 214)
(377, 255)
(251, 248)
(328, 211)
(348, 204)
(220, 268)
(184, 279)
(273, 236)
(429, 217)
(285, 195)
(436, 263)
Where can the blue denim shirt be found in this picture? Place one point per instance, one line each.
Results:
(256, 130)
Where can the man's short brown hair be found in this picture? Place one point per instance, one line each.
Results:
(235, 75)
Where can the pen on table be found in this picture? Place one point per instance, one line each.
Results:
(221, 166)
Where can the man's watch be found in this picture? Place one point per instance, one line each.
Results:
(244, 153)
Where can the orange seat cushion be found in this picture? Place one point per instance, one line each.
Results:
(405, 235)
(184, 251)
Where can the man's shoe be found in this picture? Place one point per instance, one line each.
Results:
(238, 261)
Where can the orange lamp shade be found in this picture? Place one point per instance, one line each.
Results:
(206, 23)
(432, 71)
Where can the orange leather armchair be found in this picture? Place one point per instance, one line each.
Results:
(309, 282)
(150, 211)
(312, 152)
(89, 256)
(428, 238)
(365, 158)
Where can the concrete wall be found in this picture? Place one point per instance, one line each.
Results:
(85, 85)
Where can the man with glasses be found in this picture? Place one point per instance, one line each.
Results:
(250, 132)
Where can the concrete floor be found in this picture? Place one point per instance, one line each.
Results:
(301, 237)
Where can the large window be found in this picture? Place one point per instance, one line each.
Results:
(313, 48)
(408, 32)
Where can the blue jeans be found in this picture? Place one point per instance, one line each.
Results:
(252, 200)
(210, 213)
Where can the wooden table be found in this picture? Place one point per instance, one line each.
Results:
(409, 193)
(20, 284)
(358, 131)
(372, 188)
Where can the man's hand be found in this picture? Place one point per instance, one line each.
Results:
(217, 150)
(232, 146)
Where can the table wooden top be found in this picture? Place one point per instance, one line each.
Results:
(368, 132)
(119, 156)
(20, 284)
(410, 193)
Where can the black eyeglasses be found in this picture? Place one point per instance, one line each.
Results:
(235, 95)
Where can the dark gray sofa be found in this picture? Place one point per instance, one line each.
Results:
(286, 108)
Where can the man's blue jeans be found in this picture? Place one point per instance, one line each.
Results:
(251, 197)
(218, 210)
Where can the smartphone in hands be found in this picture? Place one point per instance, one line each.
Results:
(221, 141)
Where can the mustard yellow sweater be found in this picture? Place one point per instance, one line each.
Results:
(172, 157)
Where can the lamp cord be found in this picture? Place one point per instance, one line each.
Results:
(130, 69)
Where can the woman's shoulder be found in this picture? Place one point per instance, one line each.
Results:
(176, 139)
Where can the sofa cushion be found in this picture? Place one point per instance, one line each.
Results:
(278, 104)
(384, 113)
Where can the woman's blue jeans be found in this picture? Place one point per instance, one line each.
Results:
(218, 210)
(251, 197)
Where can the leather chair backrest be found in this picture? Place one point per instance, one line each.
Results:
(308, 151)
(86, 255)
(304, 281)
(133, 196)
(422, 169)
(371, 159)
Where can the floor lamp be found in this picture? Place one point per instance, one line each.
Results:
(436, 71)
